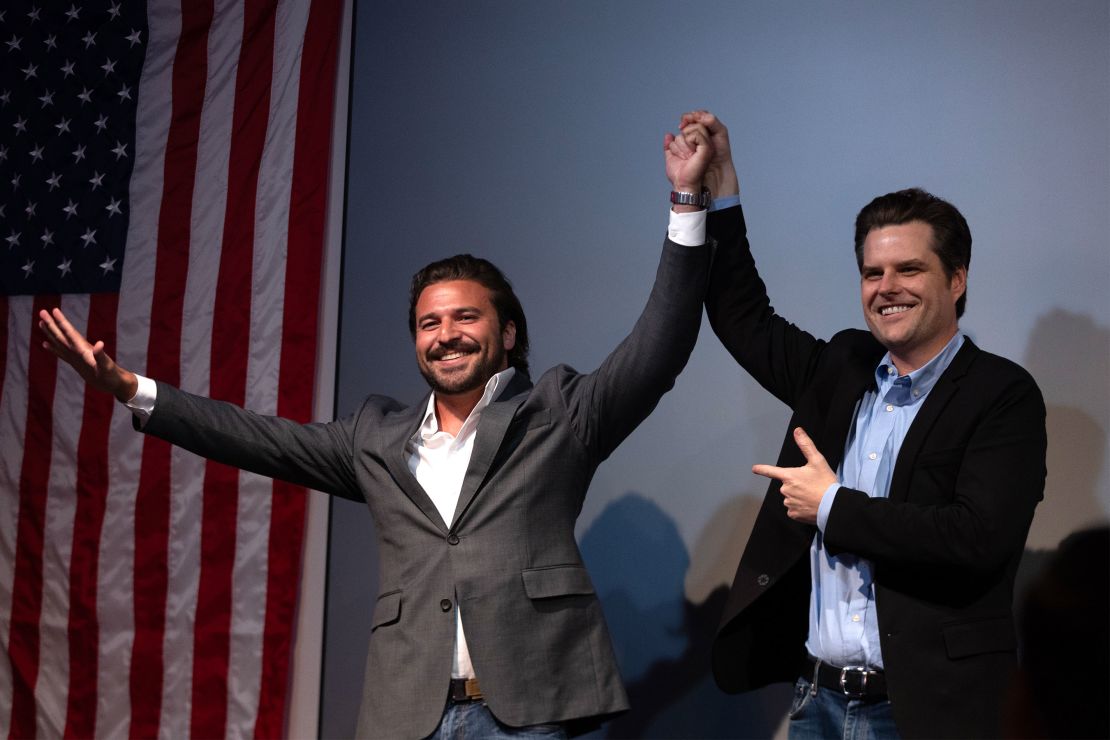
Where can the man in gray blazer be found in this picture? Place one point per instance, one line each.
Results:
(487, 620)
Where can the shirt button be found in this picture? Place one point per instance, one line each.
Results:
(855, 617)
(453, 539)
(872, 456)
(445, 605)
(763, 579)
(890, 407)
(916, 393)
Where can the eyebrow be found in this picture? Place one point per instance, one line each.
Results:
(455, 310)
(915, 262)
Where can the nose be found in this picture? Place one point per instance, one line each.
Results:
(448, 332)
(889, 282)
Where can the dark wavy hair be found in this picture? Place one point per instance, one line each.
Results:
(951, 235)
(485, 273)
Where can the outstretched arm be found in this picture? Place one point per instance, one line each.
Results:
(89, 360)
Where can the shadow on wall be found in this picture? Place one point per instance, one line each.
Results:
(1069, 355)
(639, 565)
(1063, 618)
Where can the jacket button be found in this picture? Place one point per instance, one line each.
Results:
(453, 539)
(445, 605)
(763, 579)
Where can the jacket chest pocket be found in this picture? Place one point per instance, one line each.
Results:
(934, 475)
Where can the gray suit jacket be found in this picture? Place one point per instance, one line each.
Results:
(534, 625)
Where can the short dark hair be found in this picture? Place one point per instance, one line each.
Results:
(951, 235)
(485, 273)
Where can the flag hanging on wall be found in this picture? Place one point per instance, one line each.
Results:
(163, 179)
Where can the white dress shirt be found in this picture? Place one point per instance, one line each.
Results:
(439, 462)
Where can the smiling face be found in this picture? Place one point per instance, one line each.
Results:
(909, 302)
(460, 343)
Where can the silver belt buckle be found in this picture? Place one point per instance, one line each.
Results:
(863, 673)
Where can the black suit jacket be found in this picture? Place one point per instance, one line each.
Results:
(944, 546)
(534, 625)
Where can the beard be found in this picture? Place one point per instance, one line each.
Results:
(464, 381)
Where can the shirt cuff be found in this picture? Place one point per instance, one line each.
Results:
(726, 201)
(687, 229)
(142, 404)
(825, 507)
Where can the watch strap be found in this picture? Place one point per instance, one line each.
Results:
(704, 199)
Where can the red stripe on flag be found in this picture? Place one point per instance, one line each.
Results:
(88, 522)
(308, 203)
(4, 341)
(23, 637)
(152, 503)
(231, 323)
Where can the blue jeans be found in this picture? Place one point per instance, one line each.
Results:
(472, 720)
(829, 714)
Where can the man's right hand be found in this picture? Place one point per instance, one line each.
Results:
(89, 360)
(720, 177)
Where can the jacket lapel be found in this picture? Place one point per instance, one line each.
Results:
(841, 414)
(396, 431)
(492, 426)
(938, 399)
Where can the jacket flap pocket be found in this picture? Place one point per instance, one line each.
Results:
(557, 580)
(983, 636)
(387, 610)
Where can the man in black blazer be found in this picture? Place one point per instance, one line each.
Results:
(879, 574)
(487, 623)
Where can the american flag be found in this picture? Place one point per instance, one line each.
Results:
(163, 179)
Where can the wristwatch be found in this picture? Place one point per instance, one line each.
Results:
(704, 199)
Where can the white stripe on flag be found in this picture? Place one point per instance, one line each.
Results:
(13, 417)
(268, 278)
(69, 401)
(187, 470)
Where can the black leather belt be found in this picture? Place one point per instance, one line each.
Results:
(465, 689)
(855, 682)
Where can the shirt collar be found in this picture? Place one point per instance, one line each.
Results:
(430, 425)
(903, 389)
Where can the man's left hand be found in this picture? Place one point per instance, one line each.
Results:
(802, 488)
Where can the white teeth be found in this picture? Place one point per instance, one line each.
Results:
(888, 310)
(452, 355)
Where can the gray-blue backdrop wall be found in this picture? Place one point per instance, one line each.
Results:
(530, 133)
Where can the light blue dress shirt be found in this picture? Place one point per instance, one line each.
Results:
(843, 626)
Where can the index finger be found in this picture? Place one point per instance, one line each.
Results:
(58, 328)
(770, 471)
(48, 324)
